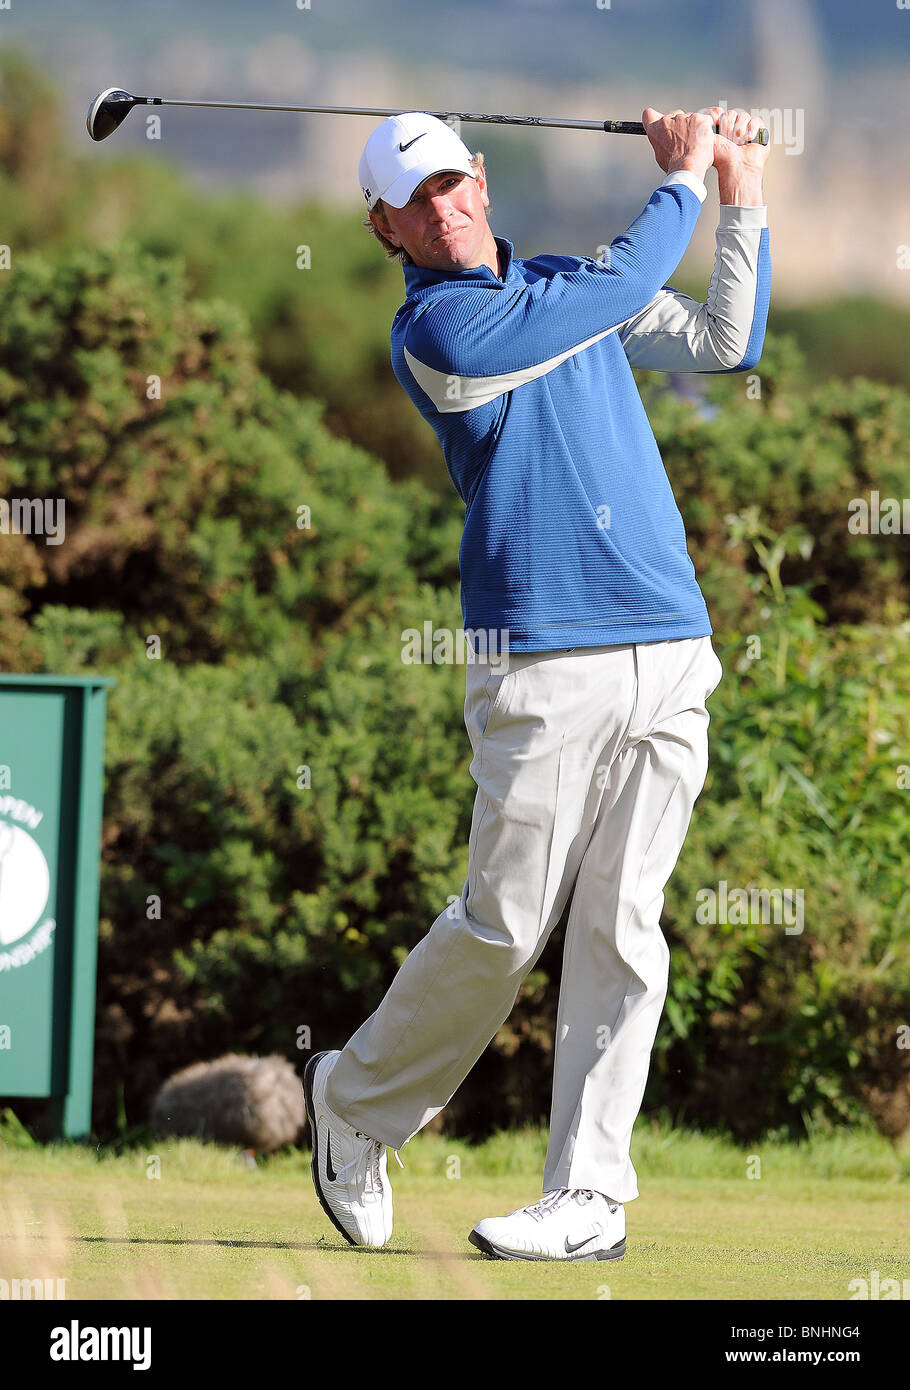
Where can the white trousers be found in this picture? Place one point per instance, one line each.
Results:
(587, 763)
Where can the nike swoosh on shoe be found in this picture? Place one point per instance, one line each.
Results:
(570, 1248)
(329, 1168)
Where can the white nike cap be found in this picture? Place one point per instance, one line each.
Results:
(404, 151)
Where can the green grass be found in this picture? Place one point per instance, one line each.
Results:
(821, 1213)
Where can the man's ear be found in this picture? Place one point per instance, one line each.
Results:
(381, 223)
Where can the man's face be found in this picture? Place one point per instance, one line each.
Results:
(444, 225)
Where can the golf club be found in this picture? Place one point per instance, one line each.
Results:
(111, 108)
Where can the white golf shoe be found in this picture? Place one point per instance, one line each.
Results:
(349, 1168)
(568, 1224)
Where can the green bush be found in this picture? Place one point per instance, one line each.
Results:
(807, 790)
(799, 453)
(280, 646)
(288, 902)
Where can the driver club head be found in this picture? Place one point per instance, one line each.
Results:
(108, 111)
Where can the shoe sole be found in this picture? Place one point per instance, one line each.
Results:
(308, 1077)
(497, 1252)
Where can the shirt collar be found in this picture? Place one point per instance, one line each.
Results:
(417, 277)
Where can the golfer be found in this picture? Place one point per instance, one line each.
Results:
(590, 741)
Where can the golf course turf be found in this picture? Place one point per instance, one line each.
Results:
(185, 1220)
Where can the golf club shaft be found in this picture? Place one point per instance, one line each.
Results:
(611, 127)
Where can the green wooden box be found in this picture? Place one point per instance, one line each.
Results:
(51, 779)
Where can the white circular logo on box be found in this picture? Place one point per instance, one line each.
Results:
(25, 882)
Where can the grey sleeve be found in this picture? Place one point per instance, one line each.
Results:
(675, 333)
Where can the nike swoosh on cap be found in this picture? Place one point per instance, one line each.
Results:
(411, 142)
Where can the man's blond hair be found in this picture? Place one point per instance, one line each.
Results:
(398, 252)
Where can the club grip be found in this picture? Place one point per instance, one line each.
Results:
(636, 128)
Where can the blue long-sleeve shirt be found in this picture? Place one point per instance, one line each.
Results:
(572, 535)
